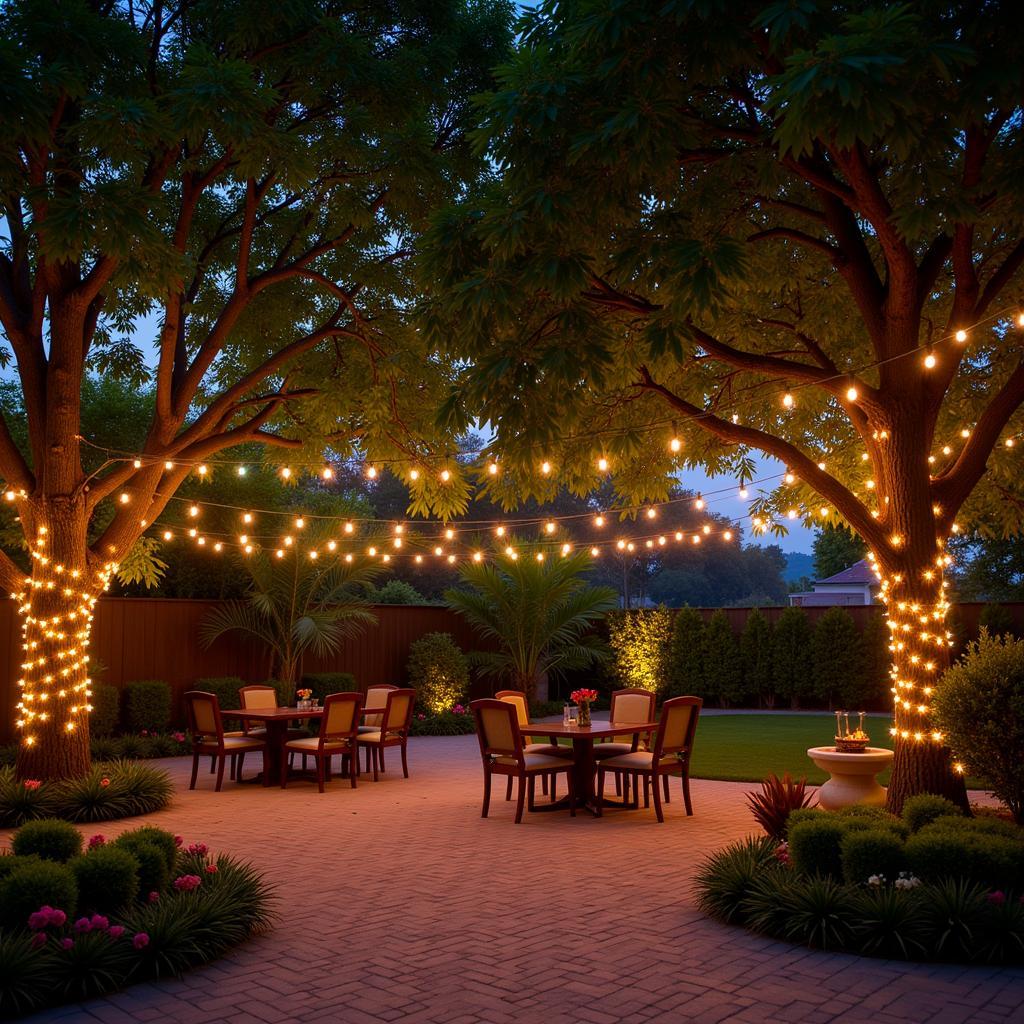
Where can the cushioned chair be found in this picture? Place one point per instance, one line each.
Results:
(209, 738)
(520, 702)
(338, 730)
(393, 731)
(670, 754)
(629, 705)
(504, 753)
(264, 698)
(376, 697)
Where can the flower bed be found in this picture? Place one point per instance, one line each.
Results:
(456, 722)
(141, 746)
(74, 924)
(120, 789)
(930, 885)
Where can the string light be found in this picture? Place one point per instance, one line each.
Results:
(961, 336)
(851, 394)
(787, 400)
(675, 444)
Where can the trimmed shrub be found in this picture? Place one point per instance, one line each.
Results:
(396, 592)
(997, 620)
(447, 723)
(105, 714)
(756, 657)
(835, 653)
(35, 884)
(147, 705)
(994, 861)
(871, 852)
(925, 808)
(640, 642)
(324, 683)
(48, 838)
(438, 672)
(792, 664)
(979, 705)
(723, 670)
(871, 684)
(152, 836)
(815, 846)
(686, 654)
(153, 873)
(224, 688)
(108, 879)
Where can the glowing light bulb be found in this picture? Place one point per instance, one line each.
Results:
(300, 523)
(125, 497)
(493, 469)
(168, 465)
(545, 468)
(478, 556)
(349, 528)
(194, 511)
(851, 394)
(566, 548)
(652, 513)
(449, 533)
(789, 477)
(445, 476)
(602, 464)
(961, 336)
(744, 493)
(595, 552)
(929, 361)
(168, 535)
(787, 400)
(242, 471)
(247, 517)
(549, 527)
(285, 473)
(414, 474)
(675, 444)
(371, 472)
(499, 531)
(727, 535)
(698, 504)
(137, 463)
(328, 473)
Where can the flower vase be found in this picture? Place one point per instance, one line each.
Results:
(583, 715)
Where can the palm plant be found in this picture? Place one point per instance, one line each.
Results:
(538, 612)
(296, 605)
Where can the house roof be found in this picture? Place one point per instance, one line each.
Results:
(857, 574)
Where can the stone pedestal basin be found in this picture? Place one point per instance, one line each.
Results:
(852, 776)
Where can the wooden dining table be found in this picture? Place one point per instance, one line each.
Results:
(584, 764)
(276, 722)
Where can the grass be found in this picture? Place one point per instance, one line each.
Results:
(746, 748)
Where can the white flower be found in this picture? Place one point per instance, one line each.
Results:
(907, 881)
(876, 880)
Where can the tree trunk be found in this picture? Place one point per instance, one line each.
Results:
(56, 605)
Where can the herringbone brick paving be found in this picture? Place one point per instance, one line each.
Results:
(397, 902)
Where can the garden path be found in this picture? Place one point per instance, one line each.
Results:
(397, 902)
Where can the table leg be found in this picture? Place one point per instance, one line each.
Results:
(277, 733)
(583, 773)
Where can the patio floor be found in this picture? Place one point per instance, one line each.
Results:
(397, 902)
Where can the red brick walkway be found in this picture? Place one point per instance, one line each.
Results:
(399, 903)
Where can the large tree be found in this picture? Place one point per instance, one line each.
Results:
(226, 193)
(792, 228)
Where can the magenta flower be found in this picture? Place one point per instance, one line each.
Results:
(179, 737)
(67, 943)
(141, 940)
(998, 898)
(153, 897)
(186, 883)
(116, 931)
(97, 840)
(200, 849)
(104, 782)
(38, 940)
(57, 918)
(31, 783)
(83, 924)
(211, 869)
(145, 732)
(40, 919)
(178, 840)
(99, 922)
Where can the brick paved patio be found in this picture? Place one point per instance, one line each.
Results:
(399, 903)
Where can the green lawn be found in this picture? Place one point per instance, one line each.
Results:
(746, 748)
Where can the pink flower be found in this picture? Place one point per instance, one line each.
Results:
(66, 943)
(57, 918)
(178, 840)
(145, 732)
(179, 737)
(104, 782)
(39, 939)
(153, 897)
(40, 919)
(83, 924)
(998, 898)
(186, 883)
(211, 869)
(99, 922)
(116, 931)
(31, 783)
(141, 940)
(97, 840)
(200, 849)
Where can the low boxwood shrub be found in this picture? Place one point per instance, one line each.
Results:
(108, 879)
(224, 688)
(938, 852)
(106, 710)
(163, 840)
(438, 671)
(815, 846)
(872, 852)
(147, 705)
(48, 838)
(154, 866)
(456, 722)
(38, 883)
(324, 683)
(9, 862)
(924, 808)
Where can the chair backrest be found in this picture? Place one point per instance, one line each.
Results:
(377, 697)
(677, 727)
(519, 701)
(204, 714)
(631, 705)
(497, 729)
(341, 716)
(398, 711)
(261, 698)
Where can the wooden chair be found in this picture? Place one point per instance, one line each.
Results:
(209, 738)
(376, 697)
(504, 753)
(338, 731)
(628, 705)
(264, 698)
(393, 731)
(519, 700)
(673, 744)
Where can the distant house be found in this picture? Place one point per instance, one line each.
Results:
(856, 584)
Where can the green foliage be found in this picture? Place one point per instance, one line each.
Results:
(723, 668)
(225, 688)
(836, 548)
(297, 606)
(155, 854)
(792, 662)
(997, 620)
(756, 657)
(925, 808)
(48, 838)
(396, 592)
(954, 910)
(33, 885)
(870, 852)
(106, 710)
(814, 911)
(108, 879)
(779, 798)
(324, 683)
(23, 974)
(539, 614)
(448, 723)
(835, 655)
(726, 878)
(641, 645)
(438, 671)
(871, 685)
(147, 705)
(938, 852)
(150, 835)
(815, 846)
(686, 654)
(890, 922)
(979, 706)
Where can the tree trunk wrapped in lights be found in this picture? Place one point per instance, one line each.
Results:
(712, 238)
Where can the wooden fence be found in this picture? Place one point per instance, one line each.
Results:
(157, 638)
